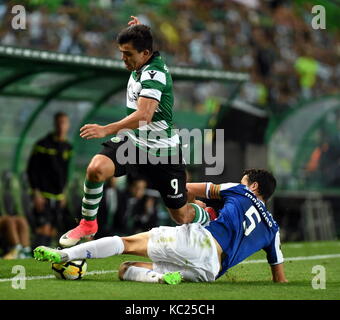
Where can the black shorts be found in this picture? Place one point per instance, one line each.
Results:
(52, 214)
(168, 176)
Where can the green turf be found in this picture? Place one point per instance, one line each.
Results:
(245, 281)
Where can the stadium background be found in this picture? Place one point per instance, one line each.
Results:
(256, 69)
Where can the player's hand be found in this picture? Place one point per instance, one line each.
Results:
(92, 131)
(134, 21)
(39, 201)
(63, 203)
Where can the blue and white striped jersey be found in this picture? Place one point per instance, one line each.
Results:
(244, 225)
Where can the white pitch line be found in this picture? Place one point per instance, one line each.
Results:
(318, 257)
(51, 276)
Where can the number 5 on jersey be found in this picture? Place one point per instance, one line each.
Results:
(249, 214)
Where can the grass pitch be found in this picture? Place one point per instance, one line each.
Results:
(247, 281)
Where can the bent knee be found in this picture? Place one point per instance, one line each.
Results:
(21, 220)
(95, 173)
(100, 169)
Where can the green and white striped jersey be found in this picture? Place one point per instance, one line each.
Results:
(153, 81)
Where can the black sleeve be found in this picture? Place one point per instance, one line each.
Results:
(33, 168)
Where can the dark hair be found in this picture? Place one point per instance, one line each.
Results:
(59, 114)
(265, 180)
(139, 35)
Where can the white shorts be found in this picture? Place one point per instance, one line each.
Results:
(188, 248)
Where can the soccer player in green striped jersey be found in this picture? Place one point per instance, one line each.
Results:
(149, 136)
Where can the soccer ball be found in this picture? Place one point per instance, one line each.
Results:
(71, 270)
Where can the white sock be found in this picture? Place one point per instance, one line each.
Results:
(142, 274)
(101, 248)
(18, 247)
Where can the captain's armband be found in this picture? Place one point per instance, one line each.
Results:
(212, 191)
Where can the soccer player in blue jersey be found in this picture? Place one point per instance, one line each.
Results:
(191, 251)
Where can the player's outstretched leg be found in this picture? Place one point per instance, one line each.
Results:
(101, 248)
(172, 278)
(43, 253)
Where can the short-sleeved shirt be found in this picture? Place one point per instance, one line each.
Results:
(244, 225)
(153, 81)
(160, 160)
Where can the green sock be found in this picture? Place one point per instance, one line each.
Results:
(201, 216)
(93, 192)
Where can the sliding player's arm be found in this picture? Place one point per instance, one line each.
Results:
(278, 273)
(207, 190)
(275, 259)
(195, 190)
